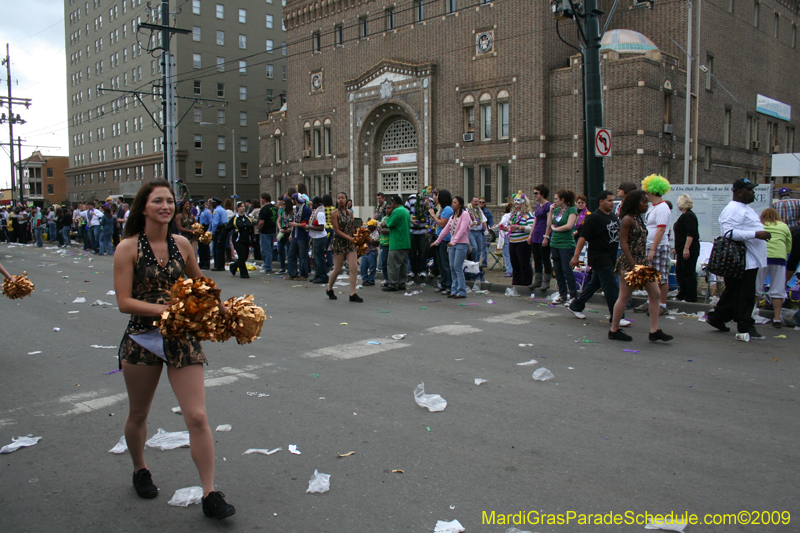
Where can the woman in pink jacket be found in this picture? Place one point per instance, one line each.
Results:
(458, 228)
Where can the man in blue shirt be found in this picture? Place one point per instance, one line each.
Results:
(204, 250)
(219, 219)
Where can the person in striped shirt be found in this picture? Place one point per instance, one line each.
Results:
(519, 228)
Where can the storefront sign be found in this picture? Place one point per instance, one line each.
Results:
(399, 158)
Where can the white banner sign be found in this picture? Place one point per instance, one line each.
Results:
(773, 108)
(709, 201)
(785, 165)
(399, 158)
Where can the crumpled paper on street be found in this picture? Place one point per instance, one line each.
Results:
(20, 442)
(448, 527)
(433, 402)
(262, 451)
(187, 496)
(79, 300)
(319, 482)
(223, 427)
(542, 374)
(478, 381)
(121, 446)
(666, 525)
(164, 440)
(511, 291)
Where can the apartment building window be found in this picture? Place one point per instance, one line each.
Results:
(221, 143)
(270, 46)
(243, 170)
(269, 22)
(486, 183)
(362, 27)
(277, 146)
(196, 62)
(707, 162)
(243, 118)
(468, 104)
(317, 142)
(283, 49)
(243, 144)
(195, 7)
(773, 143)
(486, 116)
(284, 72)
(196, 33)
(221, 64)
(451, 6)
(242, 66)
(328, 139)
(503, 115)
(789, 140)
(502, 184)
(221, 169)
(242, 92)
(220, 116)
(242, 42)
(776, 25)
(198, 141)
(419, 10)
(752, 133)
(339, 31)
(316, 42)
(390, 19)
(726, 133)
(469, 183)
(220, 90)
(198, 115)
(198, 168)
(270, 71)
(220, 11)
(709, 72)
(196, 88)
(756, 10)
(243, 16)
(220, 37)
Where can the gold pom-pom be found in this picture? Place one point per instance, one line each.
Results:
(641, 275)
(243, 321)
(17, 286)
(198, 229)
(206, 237)
(193, 306)
(361, 238)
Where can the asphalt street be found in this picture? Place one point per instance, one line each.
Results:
(703, 425)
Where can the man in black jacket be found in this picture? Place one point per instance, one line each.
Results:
(242, 233)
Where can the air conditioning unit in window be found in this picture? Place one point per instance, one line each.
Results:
(306, 153)
(468, 137)
(776, 149)
(755, 145)
(668, 129)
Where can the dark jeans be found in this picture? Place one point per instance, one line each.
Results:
(383, 259)
(737, 301)
(298, 253)
(520, 253)
(564, 275)
(220, 239)
(320, 261)
(369, 265)
(443, 256)
(541, 259)
(602, 277)
(419, 253)
(686, 275)
(204, 255)
(283, 250)
(242, 251)
(265, 246)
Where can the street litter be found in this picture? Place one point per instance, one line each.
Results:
(399, 336)
(489, 301)
(164, 440)
(293, 449)
(373, 342)
(177, 410)
(528, 363)
(410, 283)
(348, 454)
(120, 447)
(478, 381)
(111, 293)
(319, 482)
(223, 427)
(524, 345)
(73, 312)
(34, 353)
(56, 329)
(542, 374)
(469, 304)
(434, 402)
(20, 442)
(187, 496)
(412, 293)
(112, 372)
(631, 351)
(262, 451)
(79, 300)
(511, 291)
(398, 471)
(668, 524)
(101, 303)
(97, 346)
(257, 394)
(448, 527)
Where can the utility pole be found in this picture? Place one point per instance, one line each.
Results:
(687, 141)
(19, 159)
(12, 119)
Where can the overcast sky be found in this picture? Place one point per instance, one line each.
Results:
(34, 31)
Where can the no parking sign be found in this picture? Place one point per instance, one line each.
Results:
(602, 142)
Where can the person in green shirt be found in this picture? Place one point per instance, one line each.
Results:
(560, 222)
(779, 246)
(399, 224)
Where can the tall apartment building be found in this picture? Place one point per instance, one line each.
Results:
(235, 53)
(482, 97)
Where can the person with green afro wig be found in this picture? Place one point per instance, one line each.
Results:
(655, 184)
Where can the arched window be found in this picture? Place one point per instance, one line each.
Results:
(328, 141)
(503, 114)
(468, 104)
(486, 116)
(277, 137)
(400, 136)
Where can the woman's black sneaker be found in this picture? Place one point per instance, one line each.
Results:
(660, 336)
(143, 483)
(215, 506)
(619, 335)
(330, 294)
(356, 298)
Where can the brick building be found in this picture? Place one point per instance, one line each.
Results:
(483, 98)
(44, 180)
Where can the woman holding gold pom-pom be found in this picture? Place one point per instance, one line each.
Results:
(148, 261)
(633, 242)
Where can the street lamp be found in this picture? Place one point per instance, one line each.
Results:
(233, 148)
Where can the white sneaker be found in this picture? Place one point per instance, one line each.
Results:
(577, 314)
(558, 299)
(624, 323)
(568, 302)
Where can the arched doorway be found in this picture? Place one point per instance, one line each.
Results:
(397, 171)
